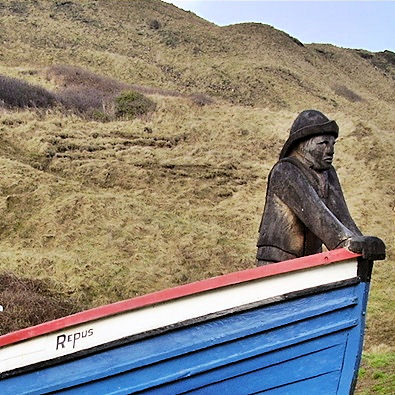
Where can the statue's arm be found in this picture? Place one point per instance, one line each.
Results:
(293, 188)
(338, 206)
(370, 247)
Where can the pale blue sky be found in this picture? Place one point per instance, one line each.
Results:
(351, 24)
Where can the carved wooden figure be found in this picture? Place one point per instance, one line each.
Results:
(304, 206)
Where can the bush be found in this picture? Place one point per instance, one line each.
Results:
(99, 98)
(82, 99)
(66, 76)
(132, 104)
(20, 94)
(85, 93)
(154, 24)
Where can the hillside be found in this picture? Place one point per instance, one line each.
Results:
(93, 212)
(149, 42)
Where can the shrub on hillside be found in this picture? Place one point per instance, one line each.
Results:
(83, 99)
(20, 94)
(29, 302)
(131, 104)
(154, 24)
(66, 76)
(85, 94)
(98, 97)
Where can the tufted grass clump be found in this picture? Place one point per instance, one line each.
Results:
(201, 100)
(132, 104)
(29, 302)
(15, 93)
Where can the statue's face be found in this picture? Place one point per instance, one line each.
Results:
(318, 151)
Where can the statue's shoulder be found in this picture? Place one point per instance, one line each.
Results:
(285, 169)
(288, 164)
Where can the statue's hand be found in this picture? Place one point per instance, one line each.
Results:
(371, 248)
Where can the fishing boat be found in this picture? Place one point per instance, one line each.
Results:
(293, 327)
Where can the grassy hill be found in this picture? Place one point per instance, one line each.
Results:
(93, 212)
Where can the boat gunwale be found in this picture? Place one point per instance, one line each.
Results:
(169, 294)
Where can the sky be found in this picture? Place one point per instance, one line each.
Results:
(359, 24)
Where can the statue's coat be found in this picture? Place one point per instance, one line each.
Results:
(303, 209)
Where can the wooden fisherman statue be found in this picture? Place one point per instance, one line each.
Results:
(305, 207)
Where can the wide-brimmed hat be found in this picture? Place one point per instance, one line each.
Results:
(307, 124)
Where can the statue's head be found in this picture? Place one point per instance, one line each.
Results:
(317, 151)
(312, 136)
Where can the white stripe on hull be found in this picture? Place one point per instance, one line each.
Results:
(94, 333)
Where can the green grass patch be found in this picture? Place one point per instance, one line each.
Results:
(376, 375)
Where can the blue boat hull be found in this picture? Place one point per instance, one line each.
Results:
(305, 345)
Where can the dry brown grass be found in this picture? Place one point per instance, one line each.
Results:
(121, 211)
(111, 211)
(342, 90)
